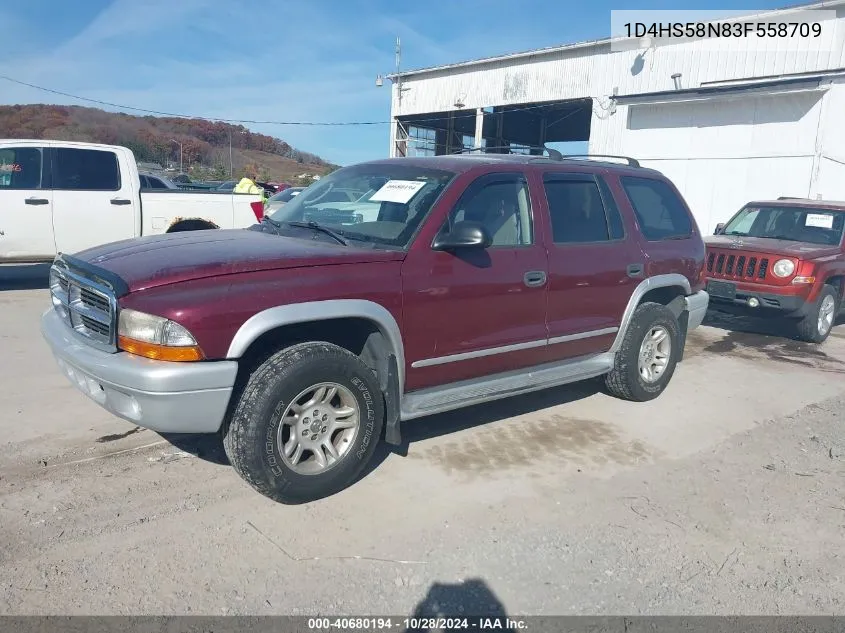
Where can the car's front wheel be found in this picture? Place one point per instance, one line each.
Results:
(306, 424)
(815, 327)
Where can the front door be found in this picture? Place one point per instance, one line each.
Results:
(26, 209)
(594, 264)
(482, 311)
(92, 203)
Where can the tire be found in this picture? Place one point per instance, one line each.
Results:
(625, 380)
(812, 328)
(255, 445)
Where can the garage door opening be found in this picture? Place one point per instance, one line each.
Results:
(517, 128)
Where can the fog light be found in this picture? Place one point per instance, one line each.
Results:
(753, 302)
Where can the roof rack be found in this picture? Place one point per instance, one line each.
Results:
(791, 198)
(553, 153)
(632, 162)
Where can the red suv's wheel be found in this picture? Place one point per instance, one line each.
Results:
(815, 327)
(646, 360)
(306, 424)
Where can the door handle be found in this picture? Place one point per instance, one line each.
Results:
(37, 201)
(635, 270)
(534, 278)
(120, 201)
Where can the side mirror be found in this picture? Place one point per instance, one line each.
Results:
(463, 235)
(719, 228)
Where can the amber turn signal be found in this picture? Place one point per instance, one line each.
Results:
(160, 352)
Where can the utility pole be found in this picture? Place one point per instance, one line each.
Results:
(231, 169)
(180, 153)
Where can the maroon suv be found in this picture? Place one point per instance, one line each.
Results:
(450, 281)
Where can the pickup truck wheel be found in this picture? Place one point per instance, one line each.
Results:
(306, 424)
(646, 360)
(815, 327)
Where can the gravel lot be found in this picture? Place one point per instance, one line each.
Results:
(724, 496)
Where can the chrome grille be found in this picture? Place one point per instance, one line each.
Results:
(85, 305)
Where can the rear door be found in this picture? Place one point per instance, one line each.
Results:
(594, 264)
(26, 209)
(93, 199)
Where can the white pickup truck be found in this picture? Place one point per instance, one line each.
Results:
(58, 196)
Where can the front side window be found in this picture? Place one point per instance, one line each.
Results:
(85, 170)
(380, 204)
(20, 168)
(794, 224)
(502, 205)
(660, 212)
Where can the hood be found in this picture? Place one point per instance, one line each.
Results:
(147, 262)
(786, 248)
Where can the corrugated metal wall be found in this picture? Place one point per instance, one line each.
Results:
(595, 71)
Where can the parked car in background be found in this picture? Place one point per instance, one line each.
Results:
(281, 198)
(784, 259)
(305, 337)
(227, 185)
(64, 197)
(154, 182)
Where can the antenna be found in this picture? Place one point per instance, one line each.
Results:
(398, 54)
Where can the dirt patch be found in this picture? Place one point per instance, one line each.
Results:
(526, 443)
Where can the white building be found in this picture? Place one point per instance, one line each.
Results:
(728, 120)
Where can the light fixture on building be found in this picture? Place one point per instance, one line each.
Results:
(379, 81)
(677, 79)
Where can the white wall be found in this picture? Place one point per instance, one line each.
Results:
(723, 151)
(829, 181)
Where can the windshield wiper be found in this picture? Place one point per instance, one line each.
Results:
(318, 227)
(783, 237)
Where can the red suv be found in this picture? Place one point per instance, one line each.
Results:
(781, 258)
(449, 281)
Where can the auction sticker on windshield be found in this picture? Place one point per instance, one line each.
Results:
(400, 191)
(820, 220)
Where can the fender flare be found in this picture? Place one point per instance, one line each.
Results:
(279, 316)
(658, 281)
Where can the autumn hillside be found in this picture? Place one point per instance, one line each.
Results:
(205, 144)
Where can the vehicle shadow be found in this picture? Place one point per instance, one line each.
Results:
(471, 599)
(479, 415)
(24, 276)
(762, 326)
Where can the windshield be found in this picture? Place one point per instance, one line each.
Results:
(797, 224)
(285, 195)
(382, 204)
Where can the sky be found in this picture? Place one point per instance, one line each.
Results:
(279, 60)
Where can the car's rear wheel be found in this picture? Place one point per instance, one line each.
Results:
(646, 359)
(815, 327)
(307, 423)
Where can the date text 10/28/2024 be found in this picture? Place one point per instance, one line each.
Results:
(417, 624)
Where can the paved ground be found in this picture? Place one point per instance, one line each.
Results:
(725, 495)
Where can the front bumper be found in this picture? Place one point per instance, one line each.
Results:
(768, 303)
(162, 396)
(696, 307)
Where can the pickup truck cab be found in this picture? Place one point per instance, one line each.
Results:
(310, 336)
(57, 196)
(781, 259)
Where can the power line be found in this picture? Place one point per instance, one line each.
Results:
(258, 122)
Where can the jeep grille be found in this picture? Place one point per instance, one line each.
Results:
(739, 266)
(84, 305)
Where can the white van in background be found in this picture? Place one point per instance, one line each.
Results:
(58, 196)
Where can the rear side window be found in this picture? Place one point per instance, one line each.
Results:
(85, 170)
(576, 211)
(20, 168)
(660, 212)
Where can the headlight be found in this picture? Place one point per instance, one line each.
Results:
(155, 337)
(783, 268)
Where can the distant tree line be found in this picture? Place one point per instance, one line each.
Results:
(149, 138)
